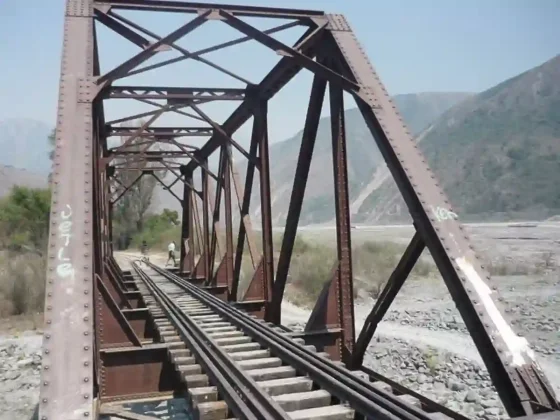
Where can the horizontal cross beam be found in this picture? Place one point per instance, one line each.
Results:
(145, 159)
(146, 169)
(161, 131)
(150, 153)
(192, 7)
(174, 94)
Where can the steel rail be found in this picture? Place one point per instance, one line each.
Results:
(338, 381)
(262, 405)
(201, 352)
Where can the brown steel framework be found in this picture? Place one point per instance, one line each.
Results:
(99, 340)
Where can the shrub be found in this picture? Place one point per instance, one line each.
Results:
(22, 284)
(432, 361)
(507, 267)
(24, 223)
(310, 270)
(159, 230)
(245, 276)
(24, 219)
(373, 262)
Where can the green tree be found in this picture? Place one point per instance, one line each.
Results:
(24, 219)
(170, 216)
(131, 211)
(159, 230)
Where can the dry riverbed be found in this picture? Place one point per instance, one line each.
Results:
(422, 343)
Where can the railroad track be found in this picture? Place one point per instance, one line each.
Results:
(236, 366)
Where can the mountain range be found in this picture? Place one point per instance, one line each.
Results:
(363, 157)
(418, 108)
(10, 176)
(24, 156)
(495, 153)
(24, 144)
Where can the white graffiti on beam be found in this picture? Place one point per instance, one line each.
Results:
(64, 267)
(518, 348)
(441, 214)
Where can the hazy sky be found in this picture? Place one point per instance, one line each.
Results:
(415, 45)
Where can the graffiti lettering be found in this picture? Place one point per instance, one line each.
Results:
(441, 214)
(64, 268)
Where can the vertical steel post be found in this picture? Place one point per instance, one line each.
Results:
(205, 222)
(67, 377)
(261, 117)
(298, 191)
(232, 294)
(342, 211)
(187, 239)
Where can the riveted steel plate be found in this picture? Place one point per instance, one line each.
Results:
(67, 371)
(79, 8)
(338, 23)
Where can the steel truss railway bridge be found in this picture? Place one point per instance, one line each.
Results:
(117, 335)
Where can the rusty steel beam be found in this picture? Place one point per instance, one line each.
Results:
(217, 245)
(146, 169)
(155, 154)
(186, 53)
(122, 30)
(225, 137)
(166, 187)
(298, 191)
(205, 236)
(127, 188)
(175, 108)
(342, 213)
(67, 374)
(187, 245)
(261, 120)
(333, 314)
(228, 258)
(275, 45)
(123, 69)
(244, 202)
(387, 296)
(213, 48)
(165, 132)
(197, 7)
(273, 82)
(174, 94)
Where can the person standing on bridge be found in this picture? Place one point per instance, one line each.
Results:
(171, 256)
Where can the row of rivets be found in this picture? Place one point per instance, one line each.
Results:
(81, 8)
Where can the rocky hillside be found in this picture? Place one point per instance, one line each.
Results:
(421, 109)
(497, 154)
(24, 144)
(418, 110)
